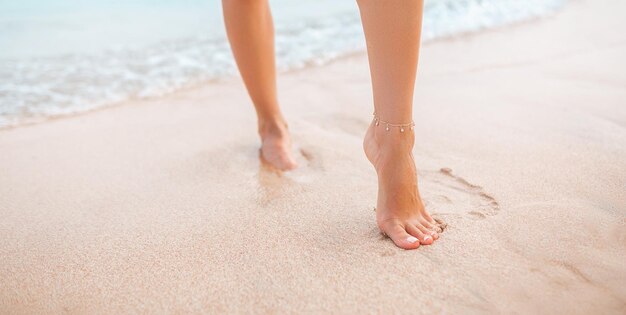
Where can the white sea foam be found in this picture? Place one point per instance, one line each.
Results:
(65, 80)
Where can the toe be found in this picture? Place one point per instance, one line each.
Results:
(429, 219)
(431, 229)
(440, 225)
(399, 235)
(432, 224)
(421, 233)
(434, 234)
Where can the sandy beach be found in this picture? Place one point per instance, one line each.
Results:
(162, 205)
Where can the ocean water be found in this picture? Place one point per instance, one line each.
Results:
(59, 57)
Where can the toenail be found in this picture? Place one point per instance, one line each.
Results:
(427, 237)
(433, 233)
(411, 239)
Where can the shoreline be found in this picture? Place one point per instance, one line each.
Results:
(162, 205)
(467, 35)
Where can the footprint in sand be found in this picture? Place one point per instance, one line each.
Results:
(444, 193)
(308, 157)
(447, 194)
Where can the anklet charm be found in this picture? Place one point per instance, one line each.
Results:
(389, 125)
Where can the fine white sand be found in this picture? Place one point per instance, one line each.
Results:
(162, 206)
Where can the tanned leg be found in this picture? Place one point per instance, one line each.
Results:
(392, 31)
(251, 34)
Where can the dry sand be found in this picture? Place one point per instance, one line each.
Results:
(162, 206)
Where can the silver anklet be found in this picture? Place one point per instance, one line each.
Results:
(389, 125)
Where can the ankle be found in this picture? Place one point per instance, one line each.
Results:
(392, 135)
(275, 124)
(393, 140)
(382, 146)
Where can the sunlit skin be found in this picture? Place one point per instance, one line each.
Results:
(250, 31)
(392, 31)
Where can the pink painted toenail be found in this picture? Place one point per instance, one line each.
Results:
(426, 238)
(411, 239)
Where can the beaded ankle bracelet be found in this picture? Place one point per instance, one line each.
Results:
(389, 125)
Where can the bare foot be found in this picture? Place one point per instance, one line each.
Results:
(400, 213)
(276, 144)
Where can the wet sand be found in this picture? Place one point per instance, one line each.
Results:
(162, 206)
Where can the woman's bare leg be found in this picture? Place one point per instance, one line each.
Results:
(251, 34)
(392, 31)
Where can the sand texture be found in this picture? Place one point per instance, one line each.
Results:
(162, 205)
